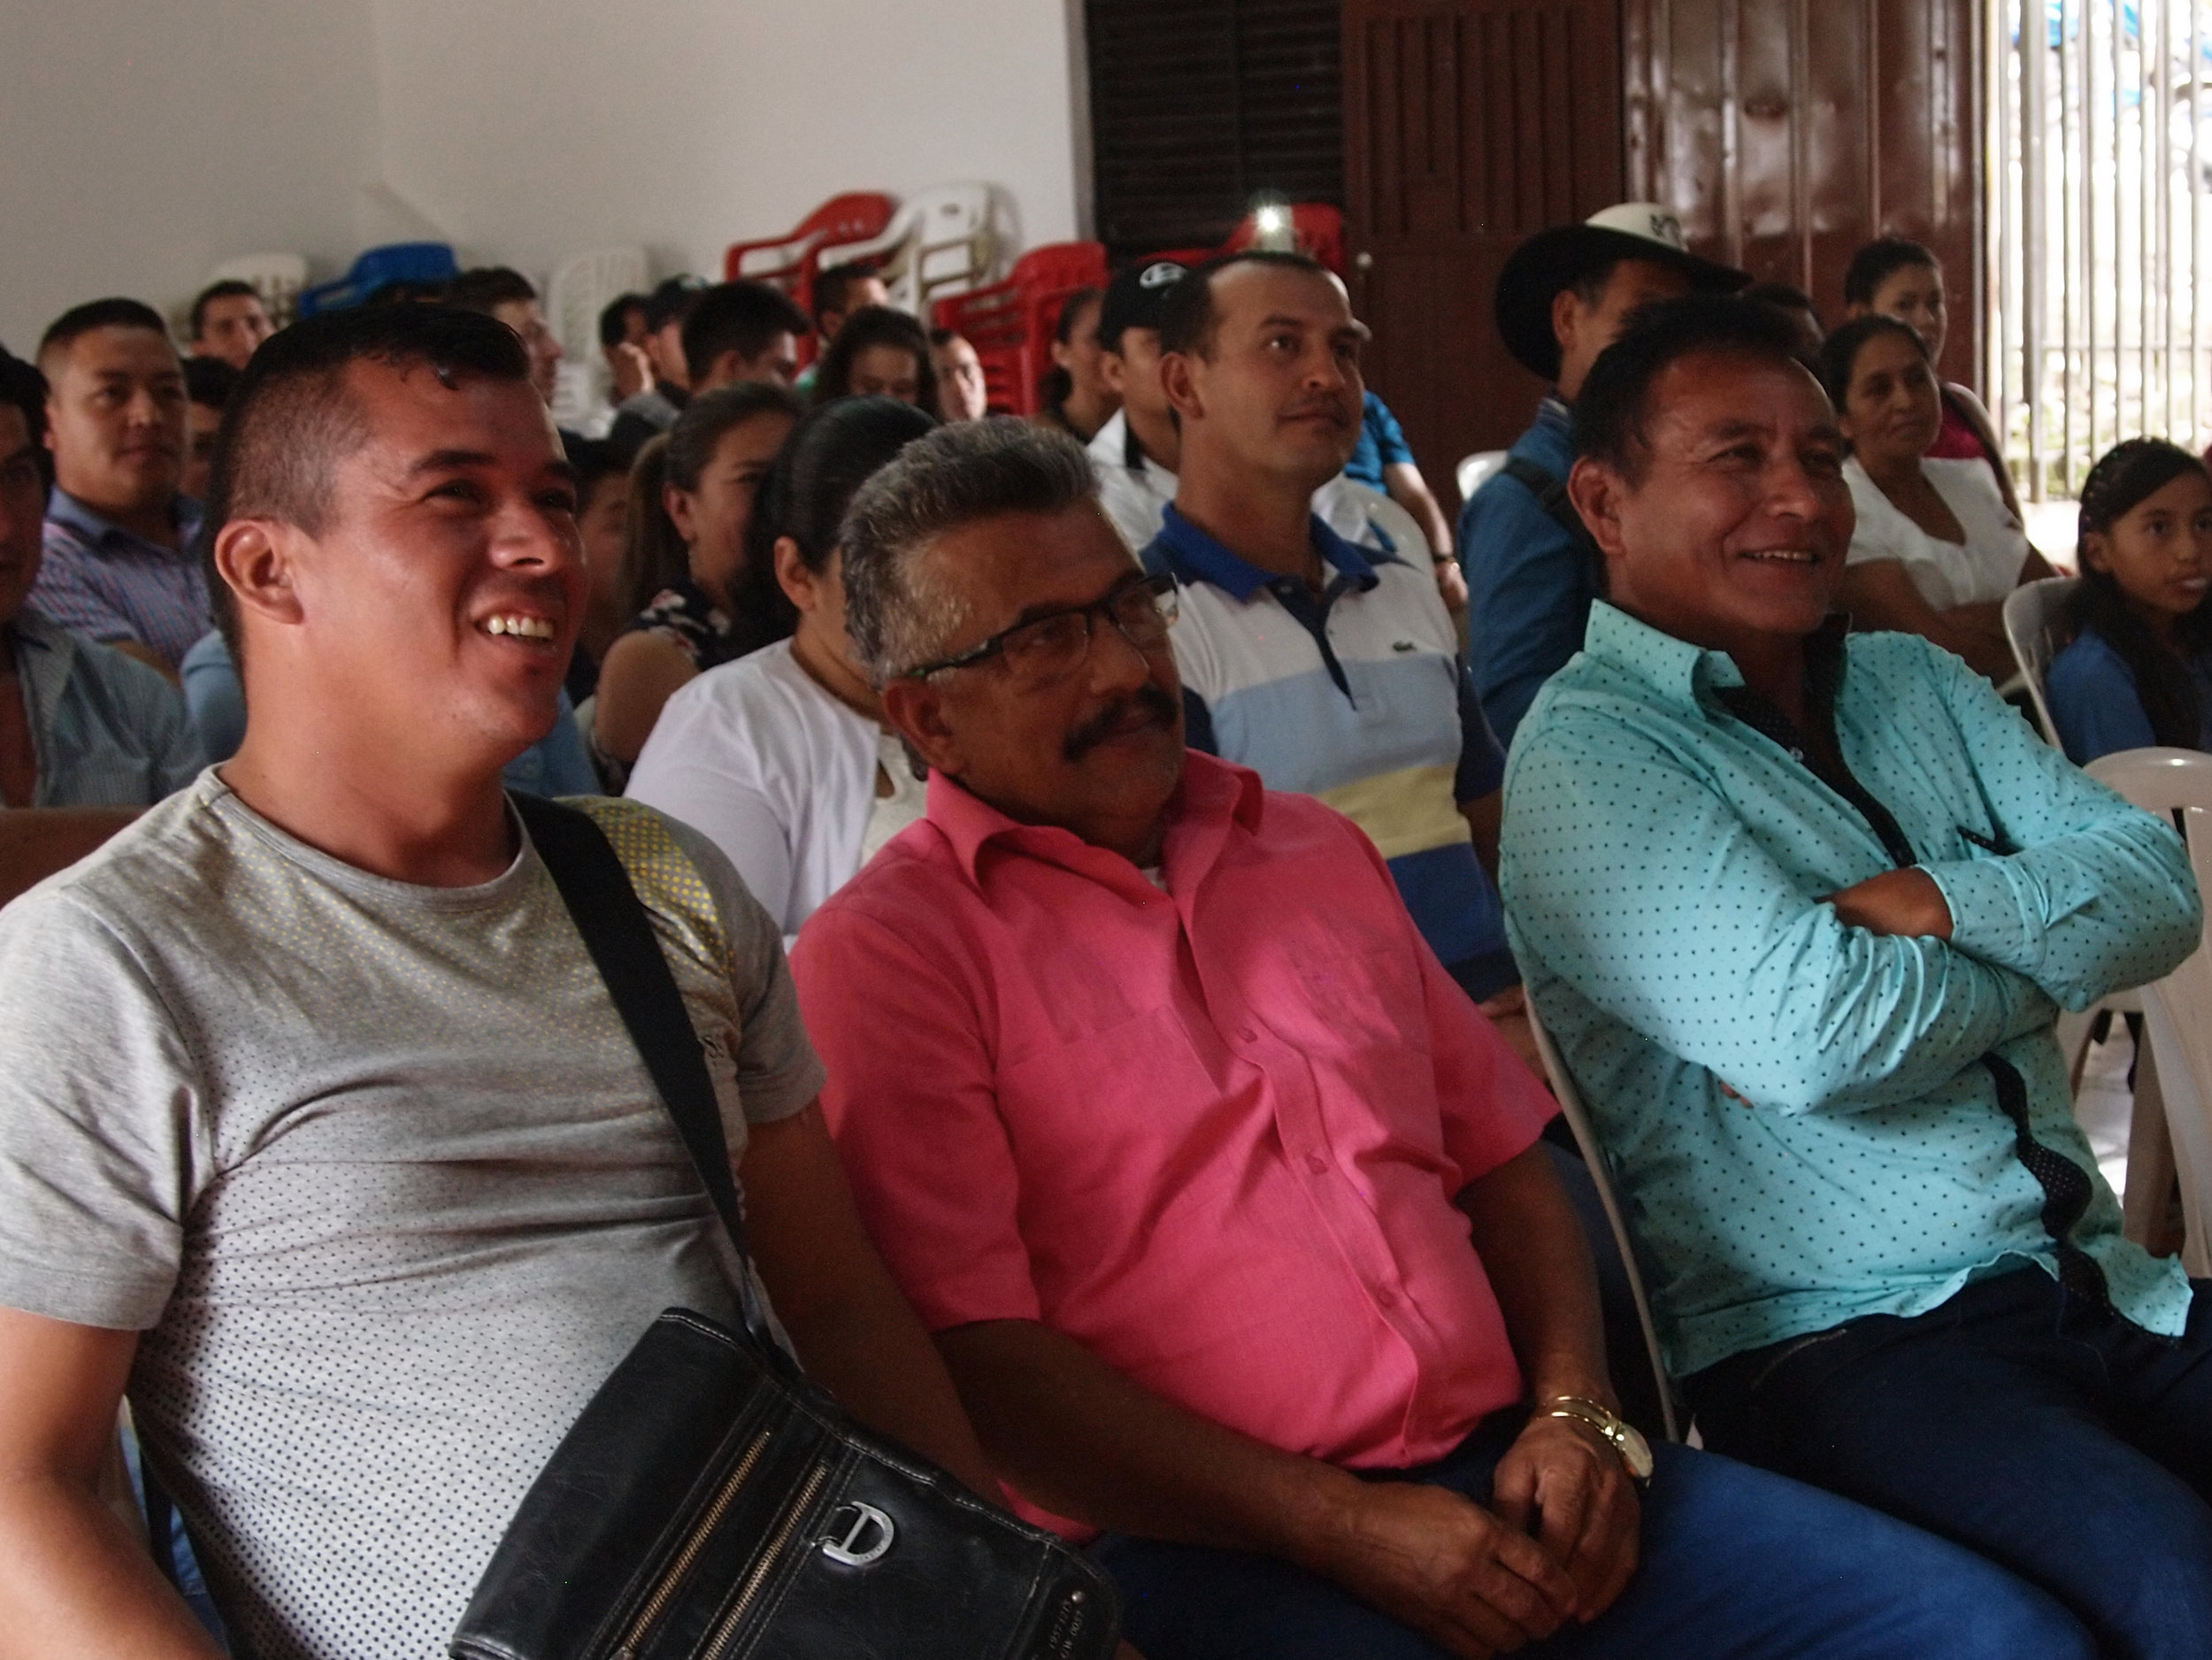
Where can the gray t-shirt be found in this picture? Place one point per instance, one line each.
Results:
(379, 1174)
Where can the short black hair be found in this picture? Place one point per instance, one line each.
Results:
(1187, 317)
(1611, 409)
(78, 320)
(593, 460)
(614, 317)
(293, 419)
(1780, 294)
(874, 325)
(487, 286)
(1879, 260)
(210, 382)
(1839, 352)
(228, 288)
(24, 386)
(671, 301)
(741, 317)
(834, 288)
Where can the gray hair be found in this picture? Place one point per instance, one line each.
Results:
(958, 475)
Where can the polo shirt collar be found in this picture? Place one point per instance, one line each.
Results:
(1212, 796)
(1195, 556)
(65, 508)
(1554, 411)
(1681, 671)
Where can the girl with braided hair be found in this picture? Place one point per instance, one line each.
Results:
(2139, 670)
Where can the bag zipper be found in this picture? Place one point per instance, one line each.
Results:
(701, 1530)
(725, 1635)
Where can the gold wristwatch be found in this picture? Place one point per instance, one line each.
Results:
(1620, 1434)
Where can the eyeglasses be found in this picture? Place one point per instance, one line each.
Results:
(1044, 649)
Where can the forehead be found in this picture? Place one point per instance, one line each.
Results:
(409, 414)
(120, 350)
(228, 307)
(2184, 492)
(1702, 392)
(756, 438)
(1912, 278)
(1887, 351)
(1012, 563)
(1245, 295)
(885, 356)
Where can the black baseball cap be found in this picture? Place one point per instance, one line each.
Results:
(1137, 297)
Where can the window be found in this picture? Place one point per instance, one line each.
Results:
(1198, 105)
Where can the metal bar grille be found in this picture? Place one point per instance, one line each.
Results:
(2101, 168)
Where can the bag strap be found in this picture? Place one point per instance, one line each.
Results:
(1550, 492)
(603, 902)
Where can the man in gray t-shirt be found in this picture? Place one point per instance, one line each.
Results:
(319, 1131)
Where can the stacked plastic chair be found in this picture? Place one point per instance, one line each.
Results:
(793, 260)
(1011, 324)
(944, 241)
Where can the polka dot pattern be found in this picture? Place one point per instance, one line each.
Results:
(381, 1170)
(1664, 872)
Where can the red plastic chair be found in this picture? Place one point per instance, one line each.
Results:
(1011, 324)
(791, 261)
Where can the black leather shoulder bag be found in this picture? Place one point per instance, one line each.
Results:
(710, 1503)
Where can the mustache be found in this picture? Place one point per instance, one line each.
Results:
(1148, 703)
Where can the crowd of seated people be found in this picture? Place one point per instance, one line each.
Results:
(1112, 864)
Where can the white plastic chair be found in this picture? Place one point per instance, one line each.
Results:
(277, 277)
(583, 285)
(2033, 613)
(2171, 1134)
(1563, 1085)
(945, 239)
(1474, 471)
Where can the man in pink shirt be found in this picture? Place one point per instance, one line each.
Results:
(1222, 1202)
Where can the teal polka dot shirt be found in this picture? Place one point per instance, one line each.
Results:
(1664, 872)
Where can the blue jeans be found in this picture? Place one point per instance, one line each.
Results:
(2067, 1445)
(1736, 1563)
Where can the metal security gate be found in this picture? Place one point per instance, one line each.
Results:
(2101, 167)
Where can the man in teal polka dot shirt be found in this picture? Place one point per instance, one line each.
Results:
(1800, 908)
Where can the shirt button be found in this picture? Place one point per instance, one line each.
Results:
(1317, 1163)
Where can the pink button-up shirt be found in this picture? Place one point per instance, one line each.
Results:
(1212, 1133)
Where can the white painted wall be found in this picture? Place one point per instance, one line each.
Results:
(538, 128)
(143, 140)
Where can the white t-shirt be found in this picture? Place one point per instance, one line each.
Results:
(379, 1175)
(1986, 566)
(887, 815)
(772, 770)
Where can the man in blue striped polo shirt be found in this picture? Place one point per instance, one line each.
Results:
(1326, 663)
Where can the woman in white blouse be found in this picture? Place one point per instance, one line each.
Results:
(1936, 549)
(781, 758)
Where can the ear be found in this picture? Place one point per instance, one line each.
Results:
(800, 585)
(2096, 552)
(1566, 314)
(1596, 490)
(254, 556)
(1114, 369)
(1178, 379)
(677, 501)
(918, 710)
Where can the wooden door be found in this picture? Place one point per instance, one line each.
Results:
(1468, 124)
(1786, 134)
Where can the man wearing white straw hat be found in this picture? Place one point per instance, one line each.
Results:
(1532, 572)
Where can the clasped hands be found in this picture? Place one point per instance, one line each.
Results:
(1557, 1542)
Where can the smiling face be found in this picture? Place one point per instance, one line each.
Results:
(1735, 527)
(712, 518)
(116, 416)
(437, 604)
(22, 511)
(2160, 551)
(1279, 391)
(1893, 410)
(1097, 750)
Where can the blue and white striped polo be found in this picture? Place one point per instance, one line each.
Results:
(1356, 695)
